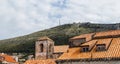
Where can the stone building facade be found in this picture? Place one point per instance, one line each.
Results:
(44, 48)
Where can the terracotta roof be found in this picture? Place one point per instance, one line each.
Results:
(44, 38)
(48, 61)
(70, 53)
(112, 52)
(87, 36)
(107, 33)
(63, 48)
(7, 58)
(106, 41)
(90, 44)
(112, 47)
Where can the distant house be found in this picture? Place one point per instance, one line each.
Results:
(6, 59)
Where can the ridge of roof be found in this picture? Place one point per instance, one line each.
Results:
(62, 48)
(44, 38)
(47, 61)
(109, 33)
(82, 36)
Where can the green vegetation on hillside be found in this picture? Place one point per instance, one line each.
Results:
(60, 34)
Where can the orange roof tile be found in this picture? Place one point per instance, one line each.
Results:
(74, 53)
(90, 44)
(112, 46)
(69, 53)
(87, 36)
(47, 61)
(106, 41)
(45, 38)
(112, 52)
(62, 48)
(107, 33)
(7, 58)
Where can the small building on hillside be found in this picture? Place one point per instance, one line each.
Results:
(6, 59)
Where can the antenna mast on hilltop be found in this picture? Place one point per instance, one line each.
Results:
(59, 22)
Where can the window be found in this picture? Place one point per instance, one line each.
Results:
(41, 47)
(85, 49)
(101, 47)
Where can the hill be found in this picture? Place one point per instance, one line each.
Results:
(60, 34)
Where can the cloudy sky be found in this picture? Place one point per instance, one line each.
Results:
(20, 17)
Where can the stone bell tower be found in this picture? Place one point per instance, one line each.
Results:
(44, 48)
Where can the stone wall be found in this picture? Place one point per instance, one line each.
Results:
(47, 49)
(90, 62)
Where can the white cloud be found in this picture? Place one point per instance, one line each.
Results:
(19, 17)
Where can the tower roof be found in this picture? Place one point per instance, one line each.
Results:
(61, 49)
(44, 38)
(87, 36)
(111, 33)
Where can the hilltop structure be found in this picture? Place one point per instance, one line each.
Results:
(94, 48)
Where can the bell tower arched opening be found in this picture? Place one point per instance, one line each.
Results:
(41, 47)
